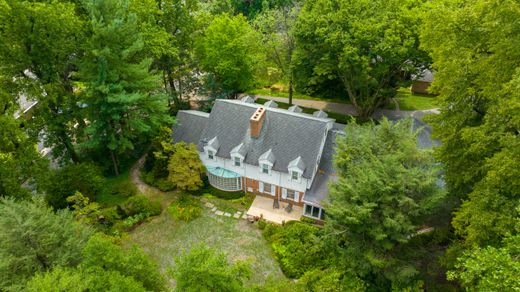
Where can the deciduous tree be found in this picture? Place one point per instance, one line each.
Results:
(185, 167)
(204, 269)
(230, 50)
(367, 46)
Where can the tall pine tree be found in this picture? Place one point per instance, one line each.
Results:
(123, 96)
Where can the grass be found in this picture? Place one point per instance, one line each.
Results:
(105, 197)
(410, 101)
(164, 238)
(281, 90)
(340, 118)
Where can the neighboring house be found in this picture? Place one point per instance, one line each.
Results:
(283, 155)
(422, 82)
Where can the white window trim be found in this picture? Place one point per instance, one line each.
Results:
(268, 168)
(298, 171)
(210, 154)
(261, 188)
(239, 161)
(311, 216)
(296, 195)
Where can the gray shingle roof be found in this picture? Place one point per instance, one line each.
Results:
(319, 190)
(287, 134)
(189, 126)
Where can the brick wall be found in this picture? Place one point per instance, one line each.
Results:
(254, 184)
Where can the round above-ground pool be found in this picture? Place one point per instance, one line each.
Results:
(224, 179)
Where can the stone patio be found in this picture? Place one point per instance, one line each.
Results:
(263, 207)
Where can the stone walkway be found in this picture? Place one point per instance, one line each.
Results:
(216, 211)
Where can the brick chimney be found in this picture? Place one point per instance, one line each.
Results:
(256, 122)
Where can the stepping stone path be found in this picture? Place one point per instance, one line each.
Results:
(214, 209)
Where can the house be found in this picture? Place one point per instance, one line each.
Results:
(422, 82)
(284, 157)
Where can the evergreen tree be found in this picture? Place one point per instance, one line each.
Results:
(35, 239)
(123, 97)
(386, 184)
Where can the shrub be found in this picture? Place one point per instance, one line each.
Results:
(186, 208)
(86, 178)
(297, 247)
(140, 204)
(218, 193)
(124, 189)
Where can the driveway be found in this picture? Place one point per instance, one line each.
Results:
(348, 109)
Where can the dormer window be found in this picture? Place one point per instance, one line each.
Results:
(237, 162)
(265, 168)
(296, 169)
(295, 175)
(211, 155)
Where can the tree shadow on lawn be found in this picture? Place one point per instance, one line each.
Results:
(164, 238)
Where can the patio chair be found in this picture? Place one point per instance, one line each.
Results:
(289, 207)
(276, 204)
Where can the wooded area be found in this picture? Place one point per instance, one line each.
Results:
(109, 77)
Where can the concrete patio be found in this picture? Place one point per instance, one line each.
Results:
(263, 207)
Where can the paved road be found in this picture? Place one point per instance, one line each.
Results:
(348, 109)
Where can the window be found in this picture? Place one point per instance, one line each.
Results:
(211, 155)
(290, 194)
(268, 188)
(225, 183)
(237, 161)
(295, 175)
(265, 168)
(314, 212)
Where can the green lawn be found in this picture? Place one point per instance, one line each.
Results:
(409, 101)
(342, 119)
(284, 93)
(163, 238)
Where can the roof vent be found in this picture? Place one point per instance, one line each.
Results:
(256, 122)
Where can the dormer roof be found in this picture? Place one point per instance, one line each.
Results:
(214, 143)
(271, 104)
(248, 99)
(268, 156)
(295, 109)
(240, 150)
(297, 164)
(320, 114)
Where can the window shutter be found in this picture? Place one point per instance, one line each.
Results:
(261, 187)
(296, 196)
(284, 193)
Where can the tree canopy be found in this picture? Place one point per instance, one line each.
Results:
(365, 47)
(385, 186)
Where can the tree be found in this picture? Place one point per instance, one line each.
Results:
(203, 269)
(34, 239)
(60, 279)
(490, 269)
(85, 178)
(229, 49)
(169, 29)
(276, 26)
(122, 95)
(21, 165)
(385, 185)
(472, 45)
(45, 39)
(367, 46)
(185, 167)
(101, 252)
